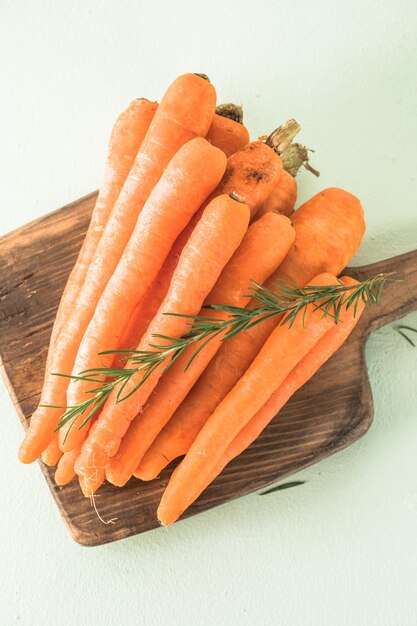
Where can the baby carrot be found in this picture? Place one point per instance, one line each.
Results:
(282, 351)
(191, 175)
(329, 228)
(326, 346)
(212, 243)
(261, 251)
(186, 111)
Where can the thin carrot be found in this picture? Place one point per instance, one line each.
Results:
(65, 471)
(127, 135)
(212, 243)
(186, 111)
(329, 228)
(190, 177)
(282, 198)
(228, 135)
(280, 354)
(261, 251)
(52, 454)
(126, 138)
(252, 173)
(326, 346)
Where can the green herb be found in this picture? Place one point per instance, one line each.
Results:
(287, 301)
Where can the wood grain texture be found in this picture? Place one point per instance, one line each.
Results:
(34, 264)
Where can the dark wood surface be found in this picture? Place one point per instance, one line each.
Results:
(330, 412)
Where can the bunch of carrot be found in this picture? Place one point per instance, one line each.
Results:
(190, 211)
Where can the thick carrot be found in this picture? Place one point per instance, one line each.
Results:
(285, 347)
(148, 307)
(252, 173)
(190, 177)
(326, 346)
(52, 454)
(261, 251)
(329, 228)
(212, 243)
(65, 471)
(228, 135)
(186, 111)
(282, 198)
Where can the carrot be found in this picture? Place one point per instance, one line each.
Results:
(282, 198)
(329, 228)
(127, 135)
(284, 195)
(252, 173)
(65, 471)
(189, 178)
(280, 354)
(186, 111)
(212, 243)
(261, 251)
(326, 346)
(148, 307)
(52, 454)
(227, 134)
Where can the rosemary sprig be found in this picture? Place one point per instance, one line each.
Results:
(287, 300)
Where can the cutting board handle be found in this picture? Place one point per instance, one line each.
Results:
(400, 292)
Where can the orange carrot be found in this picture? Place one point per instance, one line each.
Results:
(285, 347)
(282, 198)
(127, 135)
(212, 243)
(52, 454)
(329, 228)
(326, 346)
(190, 177)
(148, 307)
(228, 135)
(252, 173)
(261, 251)
(65, 471)
(186, 111)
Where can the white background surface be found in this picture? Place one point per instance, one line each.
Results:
(341, 549)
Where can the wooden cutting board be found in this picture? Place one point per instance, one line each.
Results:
(330, 412)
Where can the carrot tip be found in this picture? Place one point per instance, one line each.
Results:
(116, 479)
(25, 455)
